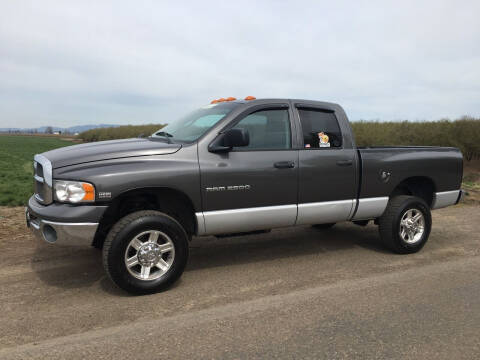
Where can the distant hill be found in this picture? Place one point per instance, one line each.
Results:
(71, 130)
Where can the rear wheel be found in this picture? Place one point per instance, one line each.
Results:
(324, 226)
(405, 225)
(145, 252)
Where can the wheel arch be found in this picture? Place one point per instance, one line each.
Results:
(421, 186)
(171, 201)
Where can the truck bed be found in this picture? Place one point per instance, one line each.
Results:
(383, 168)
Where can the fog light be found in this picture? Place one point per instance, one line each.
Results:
(49, 234)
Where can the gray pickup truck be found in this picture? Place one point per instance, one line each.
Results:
(234, 167)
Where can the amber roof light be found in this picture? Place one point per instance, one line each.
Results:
(231, 98)
(250, 97)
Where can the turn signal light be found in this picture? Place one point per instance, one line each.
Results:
(89, 192)
(250, 98)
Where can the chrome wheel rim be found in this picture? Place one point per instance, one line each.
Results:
(412, 226)
(149, 255)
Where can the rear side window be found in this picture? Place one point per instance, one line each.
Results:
(268, 130)
(320, 129)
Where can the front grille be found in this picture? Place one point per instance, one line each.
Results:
(42, 179)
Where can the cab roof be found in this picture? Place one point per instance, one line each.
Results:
(305, 102)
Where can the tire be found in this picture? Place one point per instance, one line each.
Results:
(128, 239)
(395, 229)
(324, 226)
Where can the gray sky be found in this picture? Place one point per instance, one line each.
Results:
(68, 63)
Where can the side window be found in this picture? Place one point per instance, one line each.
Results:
(268, 129)
(320, 129)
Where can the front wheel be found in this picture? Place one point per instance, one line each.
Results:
(405, 225)
(145, 252)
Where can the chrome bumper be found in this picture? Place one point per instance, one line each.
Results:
(71, 234)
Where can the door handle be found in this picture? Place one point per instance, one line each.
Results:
(344, 162)
(284, 165)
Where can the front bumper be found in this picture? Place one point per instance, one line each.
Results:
(55, 225)
(72, 234)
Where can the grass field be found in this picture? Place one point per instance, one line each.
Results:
(16, 171)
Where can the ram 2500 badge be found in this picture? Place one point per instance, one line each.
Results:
(234, 166)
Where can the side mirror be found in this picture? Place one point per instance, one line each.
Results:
(236, 137)
(230, 139)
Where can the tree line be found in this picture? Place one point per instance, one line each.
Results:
(463, 133)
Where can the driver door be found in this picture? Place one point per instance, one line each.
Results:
(252, 187)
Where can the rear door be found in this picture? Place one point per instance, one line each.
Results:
(253, 187)
(327, 174)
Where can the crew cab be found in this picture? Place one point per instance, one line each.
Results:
(233, 167)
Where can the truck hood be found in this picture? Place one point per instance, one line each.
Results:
(106, 150)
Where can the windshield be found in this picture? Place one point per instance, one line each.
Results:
(189, 128)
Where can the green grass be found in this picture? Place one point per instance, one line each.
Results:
(16, 169)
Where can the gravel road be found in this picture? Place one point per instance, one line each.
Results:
(292, 293)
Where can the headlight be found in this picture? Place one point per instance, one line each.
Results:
(74, 191)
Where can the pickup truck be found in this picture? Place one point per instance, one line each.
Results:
(233, 167)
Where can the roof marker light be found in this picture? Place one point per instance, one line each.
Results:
(231, 98)
(250, 98)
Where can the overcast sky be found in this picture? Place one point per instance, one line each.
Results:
(83, 62)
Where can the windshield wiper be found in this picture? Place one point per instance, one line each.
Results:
(166, 135)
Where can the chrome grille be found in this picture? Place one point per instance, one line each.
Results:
(42, 179)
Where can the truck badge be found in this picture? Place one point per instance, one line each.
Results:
(104, 195)
(228, 188)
